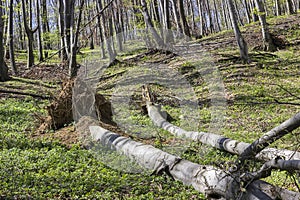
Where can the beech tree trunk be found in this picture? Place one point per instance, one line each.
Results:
(100, 26)
(277, 8)
(61, 24)
(149, 23)
(289, 7)
(268, 44)
(11, 39)
(39, 31)
(29, 32)
(217, 141)
(74, 40)
(3, 67)
(183, 18)
(238, 35)
(45, 25)
(213, 182)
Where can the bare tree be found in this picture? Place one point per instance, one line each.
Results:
(61, 24)
(277, 7)
(29, 31)
(11, 38)
(183, 20)
(39, 31)
(238, 35)
(3, 67)
(268, 44)
(73, 41)
(45, 25)
(149, 23)
(289, 7)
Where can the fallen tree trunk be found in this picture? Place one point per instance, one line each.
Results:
(213, 182)
(271, 136)
(218, 141)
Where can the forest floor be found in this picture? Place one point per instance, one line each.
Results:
(258, 96)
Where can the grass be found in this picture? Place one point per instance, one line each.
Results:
(40, 169)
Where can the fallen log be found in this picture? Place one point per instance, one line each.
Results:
(217, 141)
(213, 182)
(271, 136)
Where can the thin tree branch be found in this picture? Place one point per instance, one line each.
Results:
(271, 136)
(265, 170)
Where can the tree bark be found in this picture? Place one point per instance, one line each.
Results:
(45, 25)
(100, 26)
(176, 16)
(271, 136)
(183, 20)
(213, 182)
(200, 11)
(61, 24)
(169, 39)
(238, 35)
(246, 6)
(11, 39)
(232, 146)
(29, 32)
(39, 31)
(289, 7)
(74, 40)
(268, 44)
(3, 67)
(277, 8)
(159, 41)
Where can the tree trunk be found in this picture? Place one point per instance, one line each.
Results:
(217, 21)
(277, 8)
(45, 26)
(289, 7)
(29, 32)
(200, 11)
(268, 44)
(11, 39)
(74, 40)
(61, 24)
(20, 29)
(169, 39)
(159, 41)
(254, 15)
(208, 11)
(109, 37)
(271, 136)
(238, 35)
(232, 146)
(176, 16)
(183, 20)
(246, 6)
(3, 67)
(101, 28)
(39, 31)
(68, 17)
(117, 25)
(213, 182)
